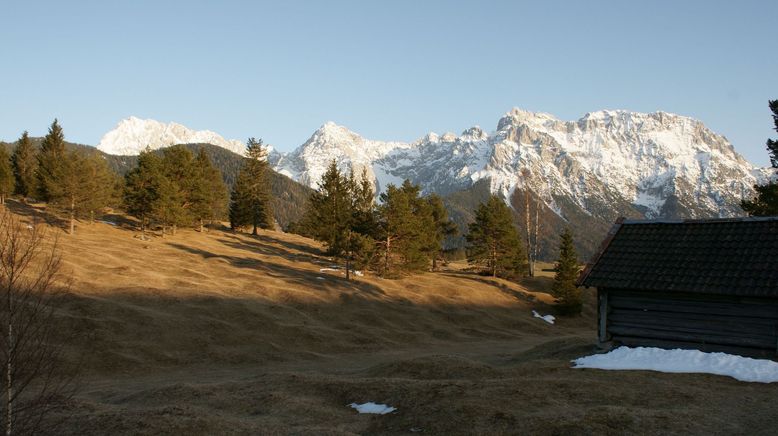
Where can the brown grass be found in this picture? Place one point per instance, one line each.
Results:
(222, 333)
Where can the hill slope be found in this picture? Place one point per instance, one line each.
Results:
(222, 333)
(289, 197)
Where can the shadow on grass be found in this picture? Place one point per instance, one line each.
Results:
(307, 279)
(521, 296)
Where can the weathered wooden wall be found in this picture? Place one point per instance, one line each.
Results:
(687, 320)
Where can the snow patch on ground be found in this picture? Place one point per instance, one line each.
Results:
(683, 361)
(370, 407)
(547, 318)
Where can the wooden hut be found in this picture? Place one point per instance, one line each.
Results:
(705, 284)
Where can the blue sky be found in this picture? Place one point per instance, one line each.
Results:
(390, 70)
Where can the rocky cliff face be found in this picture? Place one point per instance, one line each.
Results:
(662, 165)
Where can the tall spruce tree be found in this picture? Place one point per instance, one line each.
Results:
(80, 185)
(330, 209)
(766, 201)
(406, 229)
(142, 186)
(6, 176)
(173, 208)
(493, 240)
(250, 201)
(50, 161)
(25, 166)
(568, 296)
(340, 214)
(444, 228)
(209, 193)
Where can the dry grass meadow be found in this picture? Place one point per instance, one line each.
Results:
(222, 333)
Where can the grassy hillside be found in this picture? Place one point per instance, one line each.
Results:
(223, 333)
(289, 197)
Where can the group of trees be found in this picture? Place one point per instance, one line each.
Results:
(175, 189)
(72, 181)
(404, 233)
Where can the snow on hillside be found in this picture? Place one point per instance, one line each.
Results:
(683, 361)
(132, 135)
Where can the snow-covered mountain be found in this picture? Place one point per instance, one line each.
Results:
(656, 165)
(663, 165)
(132, 135)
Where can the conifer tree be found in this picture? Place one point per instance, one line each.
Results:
(493, 241)
(50, 161)
(567, 294)
(80, 185)
(6, 176)
(766, 201)
(406, 228)
(330, 210)
(250, 201)
(209, 193)
(142, 185)
(176, 188)
(444, 227)
(25, 165)
(340, 214)
(363, 203)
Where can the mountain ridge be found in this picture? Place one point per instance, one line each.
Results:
(581, 174)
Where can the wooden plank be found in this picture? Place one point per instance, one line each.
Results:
(602, 315)
(683, 306)
(675, 335)
(691, 329)
(733, 349)
(744, 319)
(712, 323)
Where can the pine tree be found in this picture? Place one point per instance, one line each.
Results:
(25, 165)
(142, 185)
(50, 161)
(6, 176)
(493, 240)
(176, 188)
(363, 200)
(444, 228)
(250, 201)
(567, 294)
(406, 229)
(340, 214)
(330, 209)
(80, 185)
(209, 193)
(766, 201)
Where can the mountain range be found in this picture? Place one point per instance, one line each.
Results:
(582, 174)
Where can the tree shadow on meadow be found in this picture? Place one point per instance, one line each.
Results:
(502, 287)
(307, 279)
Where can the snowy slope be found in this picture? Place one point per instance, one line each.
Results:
(132, 135)
(664, 165)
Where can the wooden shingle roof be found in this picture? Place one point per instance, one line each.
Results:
(717, 256)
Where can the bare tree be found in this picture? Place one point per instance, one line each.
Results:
(29, 264)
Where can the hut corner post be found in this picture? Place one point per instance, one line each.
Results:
(603, 338)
